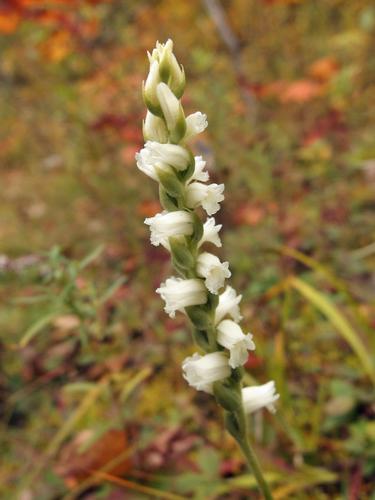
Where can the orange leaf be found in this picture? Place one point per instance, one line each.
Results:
(9, 21)
(323, 69)
(58, 46)
(76, 465)
(301, 91)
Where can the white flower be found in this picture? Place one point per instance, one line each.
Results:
(147, 164)
(199, 173)
(179, 293)
(214, 271)
(153, 79)
(168, 224)
(202, 371)
(228, 304)
(232, 337)
(154, 128)
(256, 397)
(169, 104)
(195, 124)
(171, 154)
(210, 233)
(207, 195)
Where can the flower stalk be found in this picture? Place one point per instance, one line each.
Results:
(199, 290)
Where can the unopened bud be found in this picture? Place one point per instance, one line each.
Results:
(172, 111)
(149, 89)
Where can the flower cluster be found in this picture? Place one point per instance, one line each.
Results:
(185, 194)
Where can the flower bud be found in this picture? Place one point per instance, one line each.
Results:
(154, 129)
(195, 124)
(170, 71)
(214, 271)
(207, 195)
(149, 89)
(232, 338)
(257, 397)
(179, 293)
(210, 233)
(172, 112)
(202, 371)
(168, 224)
(228, 304)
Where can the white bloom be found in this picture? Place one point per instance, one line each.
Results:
(154, 128)
(171, 154)
(199, 173)
(147, 164)
(169, 104)
(168, 224)
(210, 233)
(195, 124)
(179, 293)
(207, 195)
(214, 271)
(153, 79)
(232, 337)
(202, 371)
(256, 397)
(228, 304)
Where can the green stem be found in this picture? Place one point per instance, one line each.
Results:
(255, 467)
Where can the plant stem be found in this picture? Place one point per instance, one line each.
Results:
(254, 466)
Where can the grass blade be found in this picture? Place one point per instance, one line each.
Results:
(325, 306)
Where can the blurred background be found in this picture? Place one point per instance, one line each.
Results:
(93, 404)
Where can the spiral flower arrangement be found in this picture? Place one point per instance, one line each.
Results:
(199, 290)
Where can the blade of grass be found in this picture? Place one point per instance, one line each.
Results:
(90, 257)
(304, 479)
(89, 399)
(325, 306)
(147, 490)
(36, 327)
(333, 280)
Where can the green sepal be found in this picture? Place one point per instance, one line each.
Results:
(238, 373)
(200, 318)
(181, 253)
(189, 171)
(178, 88)
(233, 426)
(197, 229)
(201, 339)
(227, 395)
(212, 300)
(170, 183)
(154, 108)
(167, 202)
(164, 68)
(180, 128)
